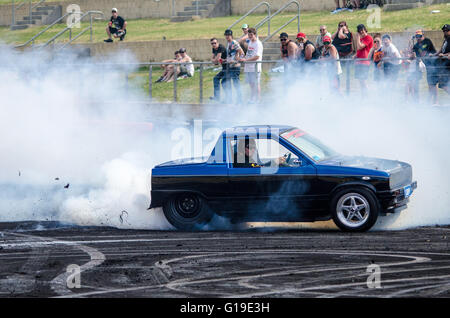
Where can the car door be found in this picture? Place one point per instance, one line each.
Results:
(274, 192)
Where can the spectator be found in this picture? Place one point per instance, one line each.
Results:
(253, 70)
(244, 40)
(233, 71)
(334, 69)
(186, 69)
(288, 48)
(343, 41)
(307, 51)
(414, 69)
(390, 51)
(169, 68)
(219, 57)
(444, 60)
(376, 55)
(364, 44)
(117, 27)
(425, 50)
(319, 42)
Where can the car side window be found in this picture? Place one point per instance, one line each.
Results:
(261, 152)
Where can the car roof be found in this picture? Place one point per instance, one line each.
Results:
(254, 130)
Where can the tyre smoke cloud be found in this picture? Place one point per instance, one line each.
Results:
(65, 126)
(73, 148)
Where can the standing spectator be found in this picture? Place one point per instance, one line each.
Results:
(233, 71)
(334, 69)
(391, 67)
(319, 42)
(219, 57)
(424, 49)
(288, 50)
(343, 41)
(186, 68)
(117, 27)
(364, 44)
(376, 55)
(444, 60)
(414, 69)
(244, 40)
(253, 70)
(307, 50)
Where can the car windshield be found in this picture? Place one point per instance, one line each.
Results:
(311, 146)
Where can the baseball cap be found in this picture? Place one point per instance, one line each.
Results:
(284, 35)
(326, 38)
(446, 27)
(228, 32)
(301, 35)
(245, 26)
(182, 50)
(114, 10)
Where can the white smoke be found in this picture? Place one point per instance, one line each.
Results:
(73, 148)
(70, 126)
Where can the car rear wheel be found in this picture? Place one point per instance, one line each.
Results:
(354, 210)
(187, 211)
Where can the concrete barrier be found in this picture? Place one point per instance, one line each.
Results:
(200, 50)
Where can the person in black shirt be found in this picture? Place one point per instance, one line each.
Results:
(424, 48)
(117, 27)
(444, 60)
(219, 57)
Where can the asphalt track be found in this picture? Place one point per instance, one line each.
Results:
(250, 263)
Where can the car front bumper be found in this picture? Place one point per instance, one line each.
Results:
(393, 201)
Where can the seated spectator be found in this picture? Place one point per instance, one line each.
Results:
(319, 42)
(376, 55)
(187, 68)
(169, 68)
(117, 27)
(308, 50)
(391, 66)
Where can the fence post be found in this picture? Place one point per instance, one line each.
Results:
(150, 83)
(201, 84)
(175, 76)
(347, 67)
(90, 21)
(13, 21)
(126, 82)
(31, 10)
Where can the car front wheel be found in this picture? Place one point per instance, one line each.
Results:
(354, 210)
(187, 211)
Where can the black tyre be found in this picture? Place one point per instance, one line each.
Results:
(187, 211)
(354, 209)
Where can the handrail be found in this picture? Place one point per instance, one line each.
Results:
(70, 27)
(251, 11)
(284, 25)
(63, 31)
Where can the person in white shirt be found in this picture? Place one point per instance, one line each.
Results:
(390, 51)
(253, 70)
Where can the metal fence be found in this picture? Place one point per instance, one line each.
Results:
(347, 77)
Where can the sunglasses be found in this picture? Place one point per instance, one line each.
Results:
(341, 26)
(326, 43)
(377, 41)
(283, 40)
(213, 43)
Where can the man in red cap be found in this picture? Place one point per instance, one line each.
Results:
(331, 55)
(307, 51)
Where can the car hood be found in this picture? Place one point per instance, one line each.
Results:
(385, 165)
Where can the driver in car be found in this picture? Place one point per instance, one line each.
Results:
(247, 156)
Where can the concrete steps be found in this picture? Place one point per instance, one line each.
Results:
(198, 8)
(395, 5)
(41, 15)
